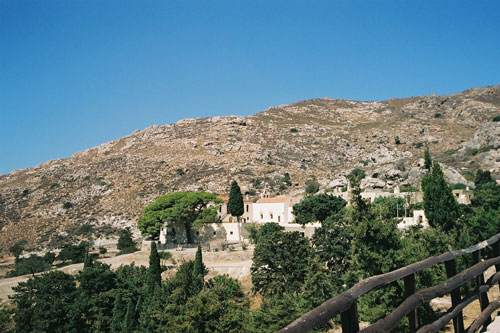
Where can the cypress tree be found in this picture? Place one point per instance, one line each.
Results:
(427, 158)
(153, 278)
(118, 314)
(441, 208)
(199, 271)
(235, 203)
(129, 322)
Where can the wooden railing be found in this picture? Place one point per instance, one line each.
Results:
(345, 304)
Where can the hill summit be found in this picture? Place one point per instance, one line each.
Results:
(97, 191)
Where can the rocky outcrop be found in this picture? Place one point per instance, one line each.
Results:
(108, 186)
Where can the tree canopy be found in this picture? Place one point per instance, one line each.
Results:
(187, 209)
(279, 260)
(317, 208)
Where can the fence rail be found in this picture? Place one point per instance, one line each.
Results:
(346, 304)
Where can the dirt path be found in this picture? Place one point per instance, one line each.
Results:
(236, 264)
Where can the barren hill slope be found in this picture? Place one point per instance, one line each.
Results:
(108, 186)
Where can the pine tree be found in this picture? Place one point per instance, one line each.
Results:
(118, 314)
(153, 278)
(199, 271)
(235, 203)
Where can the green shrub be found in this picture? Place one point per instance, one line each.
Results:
(397, 140)
(450, 152)
(67, 205)
(293, 130)
(86, 228)
(496, 118)
(458, 186)
(251, 192)
(486, 148)
(473, 151)
(408, 188)
(180, 172)
(312, 185)
(438, 115)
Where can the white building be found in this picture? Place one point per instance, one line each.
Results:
(418, 218)
(277, 209)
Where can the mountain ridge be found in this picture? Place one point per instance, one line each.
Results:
(107, 186)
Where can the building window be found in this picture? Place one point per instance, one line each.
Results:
(230, 232)
(261, 216)
(220, 209)
(247, 208)
(279, 220)
(215, 233)
(271, 215)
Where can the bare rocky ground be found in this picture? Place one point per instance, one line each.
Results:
(94, 193)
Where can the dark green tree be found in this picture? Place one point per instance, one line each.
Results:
(125, 242)
(427, 158)
(73, 253)
(235, 203)
(359, 205)
(332, 242)
(187, 209)
(154, 270)
(199, 271)
(5, 317)
(441, 208)
(119, 311)
(317, 208)
(389, 207)
(43, 303)
(17, 249)
(483, 178)
(129, 321)
(274, 313)
(31, 265)
(318, 286)
(279, 260)
(93, 307)
(221, 307)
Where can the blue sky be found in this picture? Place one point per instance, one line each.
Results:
(75, 74)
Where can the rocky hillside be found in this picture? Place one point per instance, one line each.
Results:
(96, 191)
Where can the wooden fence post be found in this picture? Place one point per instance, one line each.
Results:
(410, 288)
(349, 319)
(458, 321)
(496, 253)
(483, 297)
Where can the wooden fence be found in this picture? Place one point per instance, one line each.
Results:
(345, 304)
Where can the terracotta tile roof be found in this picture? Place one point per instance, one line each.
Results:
(273, 200)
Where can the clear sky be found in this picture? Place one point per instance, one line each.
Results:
(75, 74)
